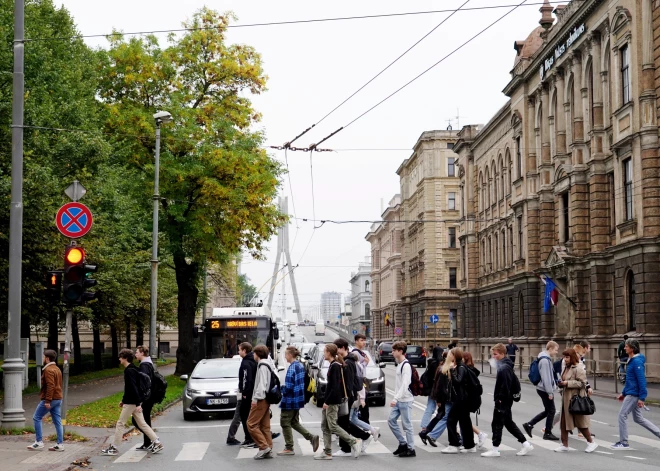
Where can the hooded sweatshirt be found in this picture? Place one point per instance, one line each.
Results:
(262, 382)
(402, 385)
(246, 376)
(636, 378)
(547, 371)
(503, 383)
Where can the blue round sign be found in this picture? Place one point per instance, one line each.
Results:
(426, 326)
(434, 318)
(354, 332)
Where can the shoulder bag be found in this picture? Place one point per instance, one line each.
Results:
(581, 405)
(343, 407)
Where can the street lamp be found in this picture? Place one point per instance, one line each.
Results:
(160, 117)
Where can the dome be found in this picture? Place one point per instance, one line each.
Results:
(527, 48)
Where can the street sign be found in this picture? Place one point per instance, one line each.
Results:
(75, 191)
(398, 331)
(434, 318)
(355, 332)
(74, 220)
(426, 326)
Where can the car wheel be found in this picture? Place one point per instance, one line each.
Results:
(188, 416)
(379, 402)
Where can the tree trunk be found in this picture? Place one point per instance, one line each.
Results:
(139, 334)
(115, 346)
(128, 333)
(77, 365)
(96, 330)
(53, 328)
(187, 276)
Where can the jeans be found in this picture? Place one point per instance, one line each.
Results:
(290, 421)
(40, 413)
(329, 426)
(259, 424)
(503, 418)
(235, 422)
(431, 406)
(460, 415)
(548, 413)
(630, 406)
(440, 428)
(146, 414)
(364, 412)
(127, 411)
(355, 420)
(403, 410)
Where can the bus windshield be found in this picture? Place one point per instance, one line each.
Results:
(224, 343)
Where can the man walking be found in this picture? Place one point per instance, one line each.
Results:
(293, 399)
(633, 396)
(259, 418)
(131, 405)
(511, 349)
(506, 385)
(402, 403)
(51, 401)
(247, 373)
(146, 367)
(546, 390)
(363, 363)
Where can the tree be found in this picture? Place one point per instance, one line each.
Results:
(217, 184)
(245, 290)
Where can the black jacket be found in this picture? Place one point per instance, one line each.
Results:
(148, 369)
(334, 391)
(429, 377)
(350, 372)
(131, 385)
(505, 378)
(459, 379)
(247, 374)
(441, 392)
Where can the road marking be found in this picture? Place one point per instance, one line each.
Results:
(602, 443)
(131, 456)
(603, 452)
(598, 422)
(245, 453)
(646, 441)
(489, 444)
(547, 444)
(635, 457)
(194, 451)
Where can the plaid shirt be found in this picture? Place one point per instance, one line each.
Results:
(293, 390)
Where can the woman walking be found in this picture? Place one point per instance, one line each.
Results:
(573, 383)
(469, 362)
(459, 413)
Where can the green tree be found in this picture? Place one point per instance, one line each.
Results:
(245, 290)
(217, 184)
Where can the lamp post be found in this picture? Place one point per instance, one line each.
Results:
(160, 117)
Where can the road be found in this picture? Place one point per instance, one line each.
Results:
(202, 443)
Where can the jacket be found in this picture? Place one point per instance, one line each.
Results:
(334, 390)
(576, 378)
(247, 373)
(636, 378)
(459, 379)
(402, 384)
(547, 371)
(350, 372)
(429, 377)
(262, 382)
(132, 385)
(502, 395)
(441, 391)
(51, 383)
(293, 389)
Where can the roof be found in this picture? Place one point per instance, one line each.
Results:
(527, 48)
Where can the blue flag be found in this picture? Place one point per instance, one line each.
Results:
(551, 294)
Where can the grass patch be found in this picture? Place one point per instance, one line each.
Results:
(105, 412)
(68, 437)
(17, 431)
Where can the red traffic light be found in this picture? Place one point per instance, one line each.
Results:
(75, 255)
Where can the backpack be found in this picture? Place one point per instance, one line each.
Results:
(158, 388)
(428, 376)
(515, 389)
(557, 367)
(274, 392)
(144, 385)
(473, 390)
(416, 387)
(534, 375)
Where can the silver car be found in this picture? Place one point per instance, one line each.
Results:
(211, 388)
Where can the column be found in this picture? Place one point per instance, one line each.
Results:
(545, 125)
(560, 115)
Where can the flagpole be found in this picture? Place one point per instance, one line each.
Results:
(561, 291)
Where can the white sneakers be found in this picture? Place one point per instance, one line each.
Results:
(526, 448)
(494, 453)
(365, 444)
(591, 447)
(36, 446)
(450, 450)
(356, 449)
(482, 440)
(341, 453)
(562, 449)
(375, 432)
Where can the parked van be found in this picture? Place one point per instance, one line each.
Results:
(320, 328)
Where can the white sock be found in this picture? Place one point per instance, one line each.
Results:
(527, 443)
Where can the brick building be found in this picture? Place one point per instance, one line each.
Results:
(563, 181)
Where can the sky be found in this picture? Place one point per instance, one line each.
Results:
(312, 68)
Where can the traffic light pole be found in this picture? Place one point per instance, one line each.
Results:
(13, 415)
(65, 369)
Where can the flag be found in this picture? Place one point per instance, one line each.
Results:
(551, 293)
(387, 319)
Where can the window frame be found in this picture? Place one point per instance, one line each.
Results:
(453, 275)
(451, 201)
(451, 166)
(451, 235)
(626, 85)
(628, 188)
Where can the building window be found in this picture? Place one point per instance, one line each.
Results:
(366, 286)
(452, 278)
(564, 217)
(367, 312)
(518, 157)
(521, 315)
(628, 187)
(463, 262)
(625, 75)
(496, 331)
(452, 237)
(610, 182)
(632, 324)
(450, 145)
(511, 245)
(452, 202)
(451, 167)
(520, 238)
(510, 316)
(505, 262)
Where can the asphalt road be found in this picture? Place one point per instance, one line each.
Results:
(201, 444)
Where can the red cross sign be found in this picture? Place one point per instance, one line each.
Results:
(74, 220)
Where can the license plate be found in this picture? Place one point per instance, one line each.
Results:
(215, 402)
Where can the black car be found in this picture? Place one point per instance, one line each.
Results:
(416, 355)
(385, 352)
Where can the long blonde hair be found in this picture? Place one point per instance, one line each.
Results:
(446, 366)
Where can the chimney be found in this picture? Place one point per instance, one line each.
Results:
(546, 15)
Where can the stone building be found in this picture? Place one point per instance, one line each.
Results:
(563, 181)
(360, 298)
(330, 306)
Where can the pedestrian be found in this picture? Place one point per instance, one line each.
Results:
(633, 396)
(363, 362)
(511, 349)
(235, 422)
(357, 428)
(51, 402)
(259, 419)
(147, 367)
(506, 386)
(469, 362)
(428, 381)
(247, 374)
(546, 391)
(293, 399)
(437, 351)
(441, 393)
(131, 405)
(402, 403)
(573, 383)
(335, 394)
(452, 344)
(459, 414)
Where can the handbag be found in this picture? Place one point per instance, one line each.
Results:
(581, 405)
(343, 407)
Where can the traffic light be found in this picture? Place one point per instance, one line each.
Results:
(76, 276)
(54, 286)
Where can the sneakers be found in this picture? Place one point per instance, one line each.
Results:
(315, 443)
(233, 442)
(526, 448)
(375, 432)
(274, 435)
(143, 448)
(400, 450)
(562, 449)
(482, 440)
(323, 457)
(340, 453)
(550, 436)
(356, 449)
(109, 451)
(528, 428)
(424, 437)
(58, 447)
(432, 442)
(248, 445)
(620, 446)
(365, 444)
(36, 446)
(262, 454)
(156, 447)
(286, 452)
(491, 453)
(469, 450)
(407, 453)
(591, 447)
(450, 450)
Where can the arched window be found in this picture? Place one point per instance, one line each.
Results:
(367, 311)
(509, 166)
(504, 251)
(502, 181)
(366, 286)
(510, 317)
(496, 261)
(630, 295)
(488, 188)
(521, 315)
(495, 183)
(482, 201)
(497, 332)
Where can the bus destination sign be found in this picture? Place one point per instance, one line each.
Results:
(234, 324)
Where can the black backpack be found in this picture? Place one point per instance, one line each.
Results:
(516, 392)
(144, 385)
(158, 388)
(274, 393)
(474, 390)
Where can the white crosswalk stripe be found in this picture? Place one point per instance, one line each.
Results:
(547, 444)
(601, 443)
(194, 451)
(132, 456)
(653, 442)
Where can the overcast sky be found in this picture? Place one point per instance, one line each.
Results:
(314, 67)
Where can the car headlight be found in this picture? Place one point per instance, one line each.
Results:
(323, 381)
(193, 391)
(379, 380)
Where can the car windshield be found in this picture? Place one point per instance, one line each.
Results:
(214, 370)
(414, 349)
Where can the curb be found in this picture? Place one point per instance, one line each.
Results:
(173, 403)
